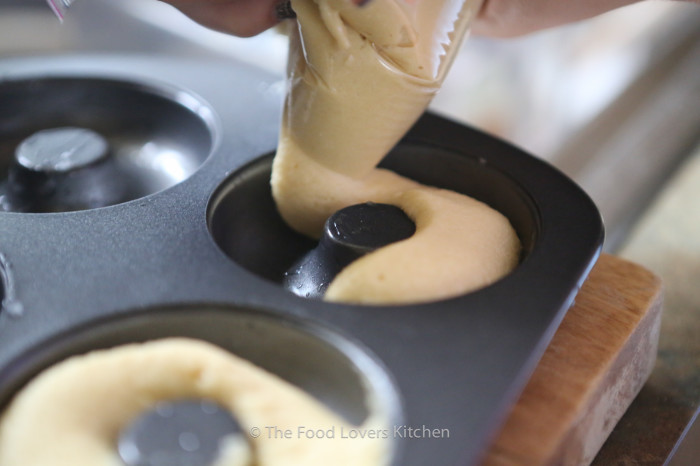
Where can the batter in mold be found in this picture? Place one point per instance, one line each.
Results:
(73, 413)
(359, 78)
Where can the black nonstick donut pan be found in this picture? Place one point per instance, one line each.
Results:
(174, 232)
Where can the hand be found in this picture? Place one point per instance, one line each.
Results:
(497, 18)
(243, 18)
(509, 18)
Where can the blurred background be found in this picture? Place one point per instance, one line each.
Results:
(614, 102)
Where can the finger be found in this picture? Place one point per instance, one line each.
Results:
(511, 18)
(243, 18)
(285, 11)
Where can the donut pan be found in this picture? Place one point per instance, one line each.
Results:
(188, 243)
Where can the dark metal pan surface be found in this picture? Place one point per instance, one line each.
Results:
(197, 232)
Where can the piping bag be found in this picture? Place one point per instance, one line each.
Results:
(358, 78)
(414, 42)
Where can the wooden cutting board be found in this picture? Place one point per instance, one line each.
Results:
(597, 362)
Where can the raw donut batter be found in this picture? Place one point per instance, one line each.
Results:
(72, 413)
(360, 77)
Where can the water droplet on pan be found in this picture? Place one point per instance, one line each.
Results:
(188, 441)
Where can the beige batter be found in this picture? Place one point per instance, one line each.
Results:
(359, 78)
(72, 413)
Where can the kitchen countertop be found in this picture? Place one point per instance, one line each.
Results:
(667, 241)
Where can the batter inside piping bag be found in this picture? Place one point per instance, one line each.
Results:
(359, 77)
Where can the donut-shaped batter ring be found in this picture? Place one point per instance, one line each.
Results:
(73, 413)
